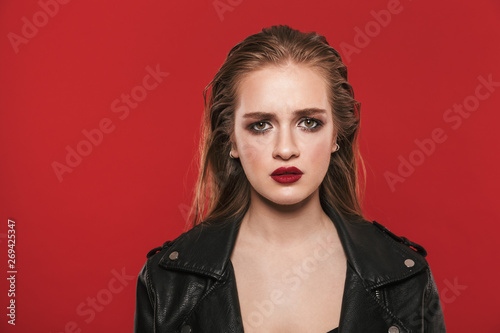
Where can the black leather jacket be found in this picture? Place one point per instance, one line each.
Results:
(188, 284)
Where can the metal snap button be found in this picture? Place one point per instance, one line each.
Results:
(393, 329)
(186, 329)
(409, 263)
(174, 255)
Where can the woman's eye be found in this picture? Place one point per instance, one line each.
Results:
(259, 126)
(311, 124)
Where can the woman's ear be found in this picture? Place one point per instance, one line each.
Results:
(335, 146)
(233, 153)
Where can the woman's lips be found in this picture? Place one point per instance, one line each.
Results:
(286, 175)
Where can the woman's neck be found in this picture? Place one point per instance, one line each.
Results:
(289, 226)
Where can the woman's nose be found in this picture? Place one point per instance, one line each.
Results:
(285, 146)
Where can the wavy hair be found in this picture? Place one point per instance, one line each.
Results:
(222, 190)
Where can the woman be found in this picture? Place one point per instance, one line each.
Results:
(278, 242)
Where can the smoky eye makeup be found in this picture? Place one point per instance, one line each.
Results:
(263, 126)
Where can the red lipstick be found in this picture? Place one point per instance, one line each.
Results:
(286, 175)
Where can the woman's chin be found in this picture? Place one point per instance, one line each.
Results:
(285, 199)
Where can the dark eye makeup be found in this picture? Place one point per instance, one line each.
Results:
(318, 123)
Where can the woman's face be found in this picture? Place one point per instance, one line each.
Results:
(283, 119)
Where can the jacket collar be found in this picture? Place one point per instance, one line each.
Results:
(376, 256)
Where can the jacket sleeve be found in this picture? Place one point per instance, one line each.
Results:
(433, 313)
(144, 319)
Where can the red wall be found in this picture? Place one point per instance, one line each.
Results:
(82, 236)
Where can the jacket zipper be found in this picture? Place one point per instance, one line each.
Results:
(380, 297)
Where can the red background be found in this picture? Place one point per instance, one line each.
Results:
(73, 235)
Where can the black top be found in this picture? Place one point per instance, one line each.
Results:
(335, 330)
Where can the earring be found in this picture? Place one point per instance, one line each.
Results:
(231, 155)
(337, 147)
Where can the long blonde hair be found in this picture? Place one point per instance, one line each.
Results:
(222, 190)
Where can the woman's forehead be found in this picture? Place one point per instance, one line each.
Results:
(282, 90)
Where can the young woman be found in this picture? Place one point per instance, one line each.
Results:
(278, 241)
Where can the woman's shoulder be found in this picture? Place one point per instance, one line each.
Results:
(204, 249)
(377, 254)
(364, 238)
(401, 239)
(373, 233)
(159, 250)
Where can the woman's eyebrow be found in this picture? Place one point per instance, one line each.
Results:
(271, 115)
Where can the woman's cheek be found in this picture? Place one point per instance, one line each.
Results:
(251, 153)
(319, 154)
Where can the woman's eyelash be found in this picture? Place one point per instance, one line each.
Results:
(318, 122)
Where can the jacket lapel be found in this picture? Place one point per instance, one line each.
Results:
(360, 311)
